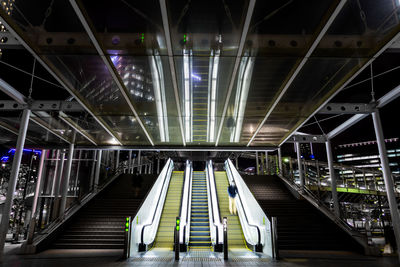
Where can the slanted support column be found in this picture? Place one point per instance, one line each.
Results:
(329, 156)
(97, 173)
(237, 163)
(158, 164)
(32, 222)
(65, 182)
(13, 179)
(387, 177)
(280, 160)
(93, 172)
(299, 165)
(257, 164)
(59, 175)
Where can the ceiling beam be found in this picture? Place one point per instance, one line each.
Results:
(79, 11)
(180, 148)
(164, 15)
(298, 68)
(384, 100)
(243, 37)
(20, 35)
(13, 130)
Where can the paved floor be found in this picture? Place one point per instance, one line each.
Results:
(99, 258)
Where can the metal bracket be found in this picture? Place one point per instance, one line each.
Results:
(39, 105)
(348, 108)
(307, 138)
(8, 41)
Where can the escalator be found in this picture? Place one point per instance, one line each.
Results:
(199, 222)
(165, 233)
(235, 233)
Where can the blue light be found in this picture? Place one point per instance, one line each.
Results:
(312, 156)
(302, 157)
(4, 158)
(12, 151)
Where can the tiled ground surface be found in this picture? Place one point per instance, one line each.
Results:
(99, 258)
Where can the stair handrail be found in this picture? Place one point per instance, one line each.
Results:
(264, 236)
(153, 205)
(213, 209)
(185, 209)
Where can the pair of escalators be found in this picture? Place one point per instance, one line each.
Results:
(190, 207)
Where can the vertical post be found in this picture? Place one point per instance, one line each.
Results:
(301, 176)
(117, 161)
(280, 160)
(39, 180)
(139, 162)
(158, 164)
(97, 173)
(267, 169)
(333, 178)
(59, 175)
(225, 225)
(55, 172)
(387, 177)
(237, 162)
(257, 164)
(65, 184)
(77, 172)
(5, 220)
(92, 173)
(130, 162)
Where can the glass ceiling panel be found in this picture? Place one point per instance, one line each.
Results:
(132, 27)
(286, 28)
(259, 79)
(204, 25)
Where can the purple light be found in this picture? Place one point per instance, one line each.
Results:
(114, 59)
(196, 77)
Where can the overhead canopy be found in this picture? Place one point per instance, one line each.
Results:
(176, 73)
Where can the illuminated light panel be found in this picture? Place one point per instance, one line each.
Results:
(242, 91)
(159, 95)
(187, 95)
(212, 94)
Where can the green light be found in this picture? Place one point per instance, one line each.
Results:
(184, 38)
(177, 228)
(127, 225)
(126, 230)
(177, 221)
(127, 219)
(142, 37)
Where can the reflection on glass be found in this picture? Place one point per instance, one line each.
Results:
(212, 94)
(187, 104)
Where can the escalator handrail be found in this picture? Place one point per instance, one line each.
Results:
(184, 221)
(158, 203)
(244, 211)
(216, 225)
(189, 202)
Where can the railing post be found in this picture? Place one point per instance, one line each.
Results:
(274, 233)
(5, 220)
(65, 184)
(267, 172)
(139, 161)
(127, 238)
(176, 238)
(97, 173)
(130, 163)
(333, 178)
(225, 224)
(299, 165)
(257, 164)
(280, 160)
(117, 161)
(158, 164)
(387, 176)
(32, 222)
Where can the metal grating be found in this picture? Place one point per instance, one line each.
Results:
(256, 260)
(158, 259)
(201, 259)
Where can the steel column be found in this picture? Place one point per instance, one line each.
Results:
(280, 160)
(139, 162)
(13, 179)
(92, 173)
(117, 161)
(130, 163)
(257, 164)
(60, 170)
(266, 163)
(299, 165)
(97, 173)
(387, 176)
(335, 199)
(65, 183)
(158, 165)
(39, 180)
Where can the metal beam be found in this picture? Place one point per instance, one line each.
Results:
(245, 30)
(41, 105)
(299, 66)
(384, 100)
(347, 108)
(164, 15)
(181, 149)
(17, 32)
(12, 92)
(110, 66)
(377, 54)
(13, 130)
(64, 117)
(309, 138)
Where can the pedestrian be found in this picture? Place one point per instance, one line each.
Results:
(232, 192)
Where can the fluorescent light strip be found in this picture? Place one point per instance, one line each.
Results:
(245, 74)
(187, 98)
(159, 95)
(213, 96)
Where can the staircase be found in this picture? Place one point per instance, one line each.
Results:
(199, 223)
(235, 233)
(101, 224)
(300, 225)
(165, 233)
